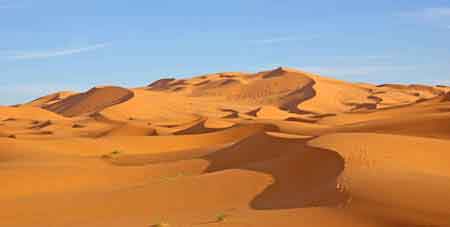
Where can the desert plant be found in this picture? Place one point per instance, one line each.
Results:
(116, 152)
(220, 217)
(111, 154)
(77, 126)
(161, 224)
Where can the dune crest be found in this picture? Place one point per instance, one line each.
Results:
(49, 99)
(93, 100)
(280, 147)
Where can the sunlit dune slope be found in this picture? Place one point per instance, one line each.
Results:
(93, 100)
(280, 147)
(385, 173)
(49, 99)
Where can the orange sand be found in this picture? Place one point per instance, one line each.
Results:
(276, 148)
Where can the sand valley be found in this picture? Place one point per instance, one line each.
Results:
(281, 147)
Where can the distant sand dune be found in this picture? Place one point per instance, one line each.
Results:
(387, 172)
(280, 147)
(94, 100)
(49, 99)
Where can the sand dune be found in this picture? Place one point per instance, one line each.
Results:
(280, 147)
(27, 113)
(130, 129)
(49, 99)
(93, 100)
(446, 97)
(380, 179)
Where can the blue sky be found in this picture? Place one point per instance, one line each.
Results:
(49, 45)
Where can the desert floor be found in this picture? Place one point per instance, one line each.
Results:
(276, 148)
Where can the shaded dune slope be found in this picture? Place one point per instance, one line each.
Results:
(129, 129)
(446, 97)
(186, 147)
(27, 113)
(49, 99)
(315, 171)
(384, 173)
(285, 159)
(93, 100)
(275, 148)
(198, 127)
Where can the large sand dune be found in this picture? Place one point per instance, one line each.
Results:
(93, 100)
(281, 147)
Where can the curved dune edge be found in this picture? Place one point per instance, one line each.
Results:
(297, 92)
(263, 165)
(27, 113)
(276, 148)
(279, 156)
(234, 164)
(4, 134)
(200, 127)
(218, 123)
(91, 101)
(284, 159)
(446, 97)
(288, 136)
(384, 173)
(193, 146)
(129, 129)
(49, 99)
(95, 148)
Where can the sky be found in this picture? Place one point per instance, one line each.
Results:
(49, 45)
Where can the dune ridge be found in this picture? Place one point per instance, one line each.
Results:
(93, 100)
(282, 147)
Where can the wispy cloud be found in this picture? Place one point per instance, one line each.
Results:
(283, 39)
(436, 12)
(362, 57)
(355, 70)
(427, 13)
(35, 88)
(19, 93)
(439, 16)
(443, 82)
(57, 53)
(11, 5)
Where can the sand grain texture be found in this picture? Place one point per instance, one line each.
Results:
(281, 147)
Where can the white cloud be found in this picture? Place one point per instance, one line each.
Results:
(283, 39)
(57, 53)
